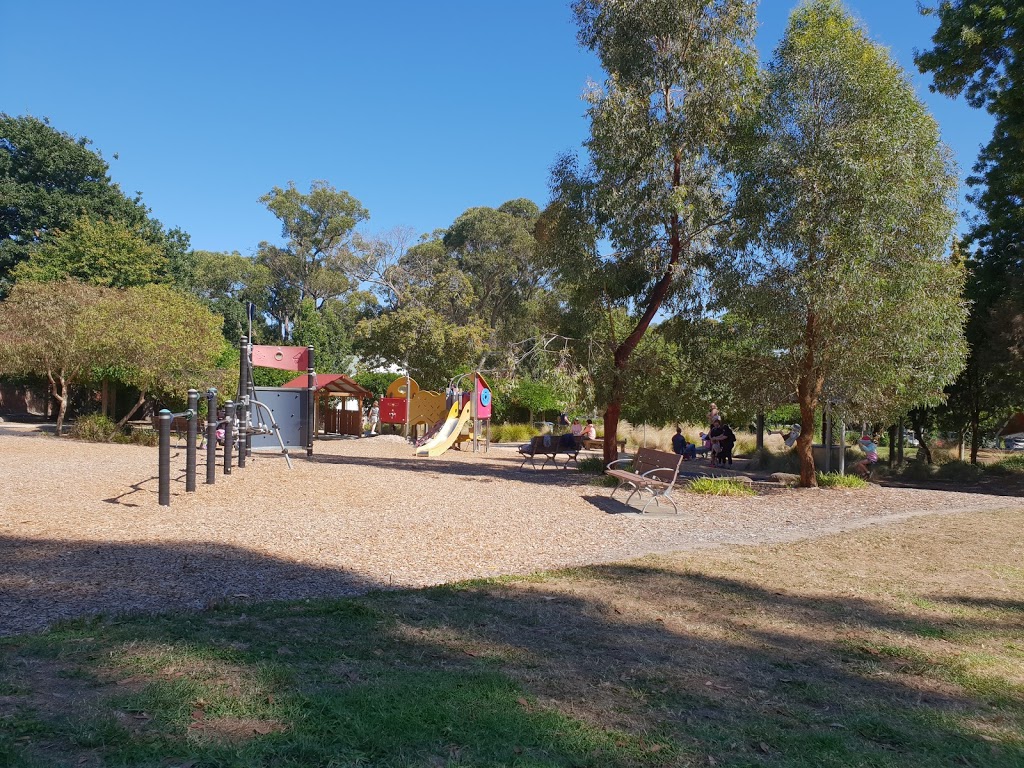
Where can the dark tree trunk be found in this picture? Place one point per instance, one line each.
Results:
(134, 408)
(917, 424)
(975, 435)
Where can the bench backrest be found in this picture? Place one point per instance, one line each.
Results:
(550, 444)
(647, 459)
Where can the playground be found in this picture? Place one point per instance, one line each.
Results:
(83, 533)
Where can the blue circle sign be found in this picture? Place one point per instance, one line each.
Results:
(485, 397)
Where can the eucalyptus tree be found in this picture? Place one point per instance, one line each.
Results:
(316, 261)
(846, 192)
(977, 53)
(628, 231)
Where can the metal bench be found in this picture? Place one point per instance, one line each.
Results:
(549, 446)
(653, 471)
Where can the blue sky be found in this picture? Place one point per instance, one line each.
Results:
(418, 109)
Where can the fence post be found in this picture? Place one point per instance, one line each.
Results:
(190, 441)
(310, 400)
(229, 436)
(211, 436)
(164, 422)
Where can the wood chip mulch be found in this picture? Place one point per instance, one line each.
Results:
(81, 532)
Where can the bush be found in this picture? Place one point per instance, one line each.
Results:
(1011, 465)
(835, 480)
(769, 461)
(745, 446)
(592, 465)
(959, 472)
(918, 470)
(511, 433)
(719, 486)
(93, 428)
(148, 437)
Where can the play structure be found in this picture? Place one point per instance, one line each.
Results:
(445, 415)
(249, 421)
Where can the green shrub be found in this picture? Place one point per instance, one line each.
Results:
(511, 433)
(149, 437)
(769, 461)
(745, 446)
(93, 428)
(835, 480)
(918, 470)
(959, 472)
(593, 465)
(1011, 465)
(719, 486)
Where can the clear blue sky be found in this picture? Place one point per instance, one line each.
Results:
(418, 109)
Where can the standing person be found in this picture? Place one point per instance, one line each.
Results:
(374, 418)
(865, 465)
(717, 438)
(728, 443)
(713, 415)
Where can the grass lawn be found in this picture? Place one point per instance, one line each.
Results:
(895, 646)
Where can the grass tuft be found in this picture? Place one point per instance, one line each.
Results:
(835, 480)
(720, 486)
(592, 465)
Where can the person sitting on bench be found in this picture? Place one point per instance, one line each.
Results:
(590, 431)
(679, 445)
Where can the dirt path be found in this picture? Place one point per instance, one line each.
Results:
(81, 532)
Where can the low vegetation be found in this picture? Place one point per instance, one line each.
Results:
(95, 428)
(836, 480)
(728, 657)
(719, 486)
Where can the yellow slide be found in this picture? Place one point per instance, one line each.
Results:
(448, 434)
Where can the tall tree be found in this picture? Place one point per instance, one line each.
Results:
(100, 252)
(316, 261)
(977, 53)
(654, 189)
(49, 180)
(846, 193)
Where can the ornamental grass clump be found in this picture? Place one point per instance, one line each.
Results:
(719, 486)
(835, 480)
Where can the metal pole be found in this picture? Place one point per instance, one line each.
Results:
(164, 422)
(310, 403)
(828, 439)
(211, 436)
(229, 437)
(842, 446)
(408, 400)
(243, 398)
(190, 441)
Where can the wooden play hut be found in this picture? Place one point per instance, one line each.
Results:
(338, 403)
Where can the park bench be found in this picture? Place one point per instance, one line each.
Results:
(598, 444)
(549, 446)
(653, 471)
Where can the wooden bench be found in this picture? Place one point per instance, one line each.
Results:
(549, 446)
(653, 471)
(598, 444)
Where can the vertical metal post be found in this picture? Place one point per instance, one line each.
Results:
(827, 441)
(842, 447)
(310, 401)
(473, 410)
(164, 483)
(243, 398)
(408, 401)
(211, 436)
(760, 431)
(229, 436)
(190, 441)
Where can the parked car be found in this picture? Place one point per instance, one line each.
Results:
(909, 438)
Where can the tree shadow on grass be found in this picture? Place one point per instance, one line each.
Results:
(620, 665)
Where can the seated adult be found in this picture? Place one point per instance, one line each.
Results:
(590, 431)
(680, 446)
(576, 429)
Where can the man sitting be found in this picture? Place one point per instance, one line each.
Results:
(679, 445)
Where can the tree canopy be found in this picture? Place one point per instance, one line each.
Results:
(845, 194)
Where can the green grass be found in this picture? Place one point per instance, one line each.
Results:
(512, 433)
(654, 663)
(835, 480)
(592, 465)
(720, 486)
(1011, 465)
